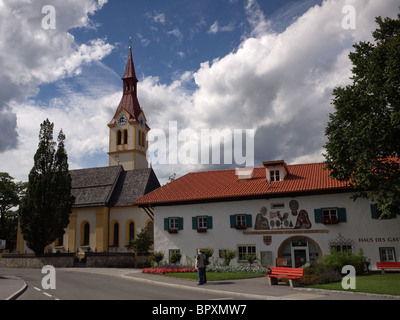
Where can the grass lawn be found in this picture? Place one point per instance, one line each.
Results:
(213, 276)
(388, 283)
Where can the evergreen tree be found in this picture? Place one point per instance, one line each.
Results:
(364, 132)
(45, 210)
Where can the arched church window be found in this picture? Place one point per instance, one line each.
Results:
(143, 139)
(131, 231)
(140, 138)
(86, 233)
(119, 137)
(125, 136)
(116, 234)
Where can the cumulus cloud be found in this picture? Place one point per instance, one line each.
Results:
(31, 55)
(277, 83)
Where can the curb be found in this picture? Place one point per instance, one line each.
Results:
(16, 294)
(219, 292)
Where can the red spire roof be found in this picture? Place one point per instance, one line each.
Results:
(130, 68)
(129, 101)
(224, 185)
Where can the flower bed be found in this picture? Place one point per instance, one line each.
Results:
(164, 270)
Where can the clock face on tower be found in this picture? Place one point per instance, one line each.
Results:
(122, 120)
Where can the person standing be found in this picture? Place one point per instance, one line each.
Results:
(201, 266)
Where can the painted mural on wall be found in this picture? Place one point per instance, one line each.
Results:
(283, 220)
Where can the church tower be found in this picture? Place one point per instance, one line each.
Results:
(128, 128)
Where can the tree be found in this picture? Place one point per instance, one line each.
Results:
(228, 255)
(364, 131)
(45, 209)
(10, 193)
(143, 241)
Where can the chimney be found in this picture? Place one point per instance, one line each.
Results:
(245, 173)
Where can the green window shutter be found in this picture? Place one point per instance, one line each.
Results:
(374, 211)
(233, 221)
(249, 220)
(318, 215)
(209, 222)
(194, 223)
(180, 223)
(166, 224)
(342, 214)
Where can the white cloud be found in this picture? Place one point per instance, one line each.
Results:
(215, 27)
(279, 84)
(176, 32)
(31, 56)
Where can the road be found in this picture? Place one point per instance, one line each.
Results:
(76, 285)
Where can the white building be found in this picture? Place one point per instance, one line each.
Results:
(298, 214)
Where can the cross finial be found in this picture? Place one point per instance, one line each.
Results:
(130, 42)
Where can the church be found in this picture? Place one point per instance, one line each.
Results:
(103, 218)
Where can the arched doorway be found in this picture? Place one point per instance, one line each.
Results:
(299, 250)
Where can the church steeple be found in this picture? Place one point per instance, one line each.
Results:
(128, 128)
(129, 79)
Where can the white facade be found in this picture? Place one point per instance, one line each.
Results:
(280, 228)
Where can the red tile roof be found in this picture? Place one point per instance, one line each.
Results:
(224, 185)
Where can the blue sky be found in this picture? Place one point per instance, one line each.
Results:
(269, 66)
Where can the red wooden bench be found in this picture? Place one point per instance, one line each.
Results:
(388, 266)
(293, 274)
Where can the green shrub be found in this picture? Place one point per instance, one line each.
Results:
(175, 257)
(157, 257)
(228, 255)
(337, 260)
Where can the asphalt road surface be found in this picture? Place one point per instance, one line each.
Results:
(75, 285)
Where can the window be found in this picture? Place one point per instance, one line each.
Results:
(86, 233)
(274, 175)
(243, 250)
(330, 215)
(131, 231)
(241, 221)
(119, 137)
(116, 235)
(387, 254)
(173, 224)
(202, 222)
(125, 136)
(377, 214)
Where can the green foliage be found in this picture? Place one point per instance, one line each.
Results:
(45, 209)
(228, 255)
(143, 241)
(10, 193)
(158, 256)
(364, 131)
(337, 260)
(250, 258)
(175, 257)
(208, 252)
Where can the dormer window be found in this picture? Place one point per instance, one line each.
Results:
(275, 170)
(274, 175)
